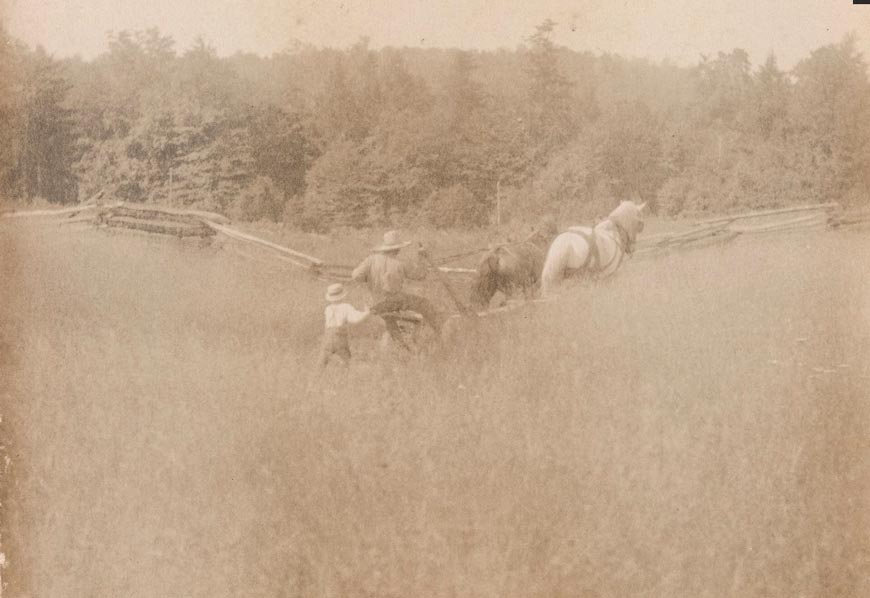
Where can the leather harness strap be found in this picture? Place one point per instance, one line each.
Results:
(593, 257)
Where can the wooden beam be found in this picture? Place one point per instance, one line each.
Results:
(177, 229)
(60, 212)
(744, 216)
(783, 224)
(151, 210)
(663, 238)
(447, 270)
(240, 236)
(709, 241)
(77, 220)
(313, 268)
(403, 316)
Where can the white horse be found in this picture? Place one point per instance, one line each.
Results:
(594, 252)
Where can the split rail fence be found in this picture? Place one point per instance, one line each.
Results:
(196, 223)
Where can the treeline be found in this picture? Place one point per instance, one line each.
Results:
(322, 138)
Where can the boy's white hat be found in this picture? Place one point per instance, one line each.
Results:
(336, 292)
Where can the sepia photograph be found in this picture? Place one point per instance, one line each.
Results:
(447, 299)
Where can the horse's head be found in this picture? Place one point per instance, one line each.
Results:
(628, 218)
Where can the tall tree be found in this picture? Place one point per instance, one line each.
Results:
(552, 116)
(465, 95)
(200, 76)
(831, 112)
(12, 56)
(403, 91)
(629, 150)
(282, 148)
(459, 150)
(46, 154)
(724, 83)
(339, 115)
(768, 105)
(366, 82)
(136, 73)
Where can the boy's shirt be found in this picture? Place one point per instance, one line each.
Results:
(339, 315)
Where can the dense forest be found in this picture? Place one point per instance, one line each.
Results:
(323, 138)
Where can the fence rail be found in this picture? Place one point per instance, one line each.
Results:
(722, 229)
(186, 223)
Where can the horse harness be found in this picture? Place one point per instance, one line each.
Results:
(592, 264)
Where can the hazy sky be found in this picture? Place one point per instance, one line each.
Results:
(679, 29)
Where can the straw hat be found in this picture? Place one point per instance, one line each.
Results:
(391, 242)
(336, 292)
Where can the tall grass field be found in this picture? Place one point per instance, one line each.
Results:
(698, 426)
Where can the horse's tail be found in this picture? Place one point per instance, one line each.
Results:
(551, 275)
(533, 275)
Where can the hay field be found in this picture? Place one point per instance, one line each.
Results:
(698, 426)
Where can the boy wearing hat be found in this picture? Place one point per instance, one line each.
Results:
(338, 316)
(385, 275)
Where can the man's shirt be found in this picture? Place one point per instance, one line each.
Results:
(386, 274)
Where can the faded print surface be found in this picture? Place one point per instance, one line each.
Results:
(173, 211)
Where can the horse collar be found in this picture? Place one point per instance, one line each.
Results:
(624, 240)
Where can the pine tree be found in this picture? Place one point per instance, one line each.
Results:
(723, 84)
(46, 151)
(552, 118)
(769, 104)
(339, 116)
(465, 96)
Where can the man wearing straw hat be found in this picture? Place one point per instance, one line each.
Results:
(385, 276)
(338, 316)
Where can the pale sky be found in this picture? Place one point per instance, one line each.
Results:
(656, 29)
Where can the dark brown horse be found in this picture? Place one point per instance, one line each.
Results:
(508, 268)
